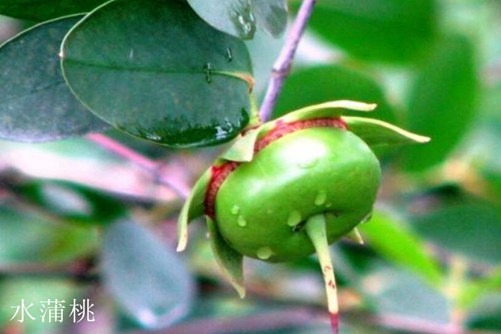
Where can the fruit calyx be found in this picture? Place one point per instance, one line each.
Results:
(219, 173)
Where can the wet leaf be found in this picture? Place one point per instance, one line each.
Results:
(42, 10)
(159, 72)
(240, 17)
(36, 104)
(146, 279)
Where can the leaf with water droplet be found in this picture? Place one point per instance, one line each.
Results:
(242, 222)
(163, 91)
(294, 218)
(264, 253)
(240, 17)
(148, 281)
(36, 104)
(321, 197)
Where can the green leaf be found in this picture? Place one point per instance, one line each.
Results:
(315, 85)
(229, 260)
(382, 30)
(36, 105)
(459, 223)
(239, 17)
(389, 238)
(149, 282)
(193, 207)
(42, 10)
(157, 71)
(472, 292)
(377, 133)
(28, 237)
(442, 102)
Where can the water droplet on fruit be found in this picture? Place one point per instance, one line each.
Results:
(241, 221)
(208, 72)
(294, 218)
(308, 163)
(328, 205)
(321, 197)
(264, 253)
(235, 210)
(244, 21)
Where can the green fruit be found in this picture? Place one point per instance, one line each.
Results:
(262, 206)
(292, 186)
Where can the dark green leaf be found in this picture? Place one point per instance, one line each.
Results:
(320, 84)
(148, 281)
(442, 102)
(239, 17)
(385, 30)
(36, 105)
(41, 10)
(459, 223)
(157, 71)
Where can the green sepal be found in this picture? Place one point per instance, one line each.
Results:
(242, 149)
(230, 261)
(193, 207)
(377, 133)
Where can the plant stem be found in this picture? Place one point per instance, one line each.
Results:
(283, 64)
(145, 163)
(316, 230)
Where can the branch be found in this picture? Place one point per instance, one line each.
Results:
(283, 64)
(150, 166)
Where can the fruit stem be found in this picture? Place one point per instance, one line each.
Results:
(316, 231)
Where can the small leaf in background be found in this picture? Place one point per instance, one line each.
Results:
(485, 315)
(147, 280)
(42, 10)
(36, 105)
(159, 72)
(380, 30)
(458, 222)
(320, 84)
(30, 238)
(442, 102)
(240, 17)
(388, 237)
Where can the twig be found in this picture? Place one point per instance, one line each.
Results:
(283, 64)
(145, 163)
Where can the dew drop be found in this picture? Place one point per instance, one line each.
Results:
(328, 205)
(229, 55)
(241, 221)
(264, 253)
(235, 210)
(308, 163)
(321, 197)
(152, 136)
(294, 218)
(245, 21)
(208, 72)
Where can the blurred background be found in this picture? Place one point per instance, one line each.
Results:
(93, 231)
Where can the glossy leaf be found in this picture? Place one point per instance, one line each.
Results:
(229, 260)
(240, 17)
(148, 281)
(42, 10)
(157, 71)
(442, 102)
(36, 105)
(392, 240)
(382, 30)
(319, 84)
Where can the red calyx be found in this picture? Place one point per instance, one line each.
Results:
(220, 173)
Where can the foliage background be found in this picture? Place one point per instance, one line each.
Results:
(76, 221)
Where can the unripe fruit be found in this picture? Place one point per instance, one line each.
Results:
(315, 168)
(291, 187)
